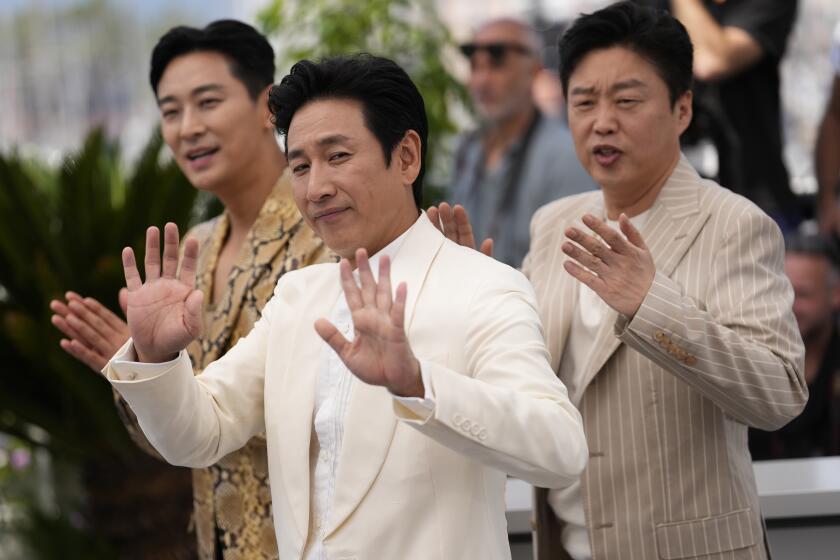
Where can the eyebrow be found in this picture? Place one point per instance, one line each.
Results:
(197, 91)
(627, 84)
(325, 141)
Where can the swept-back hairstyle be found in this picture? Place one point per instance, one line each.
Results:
(391, 103)
(249, 52)
(653, 34)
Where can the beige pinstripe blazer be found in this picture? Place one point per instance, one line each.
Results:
(667, 397)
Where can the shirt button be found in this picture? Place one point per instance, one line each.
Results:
(317, 522)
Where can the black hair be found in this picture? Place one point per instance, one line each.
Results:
(391, 103)
(815, 245)
(249, 52)
(653, 34)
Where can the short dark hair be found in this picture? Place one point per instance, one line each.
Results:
(814, 244)
(248, 51)
(391, 103)
(653, 34)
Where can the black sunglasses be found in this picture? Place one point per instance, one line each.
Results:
(496, 51)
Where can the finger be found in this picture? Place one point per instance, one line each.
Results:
(132, 276)
(592, 263)
(59, 308)
(352, 294)
(463, 227)
(593, 282)
(92, 320)
(87, 335)
(447, 220)
(366, 278)
(115, 325)
(592, 244)
(383, 288)
(85, 355)
(190, 262)
(331, 335)
(170, 250)
(434, 217)
(122, 297)
(151, 264)
(398, 308)
(631, 233)
(487, 247)
(61, 324)
(70, 295)
(613, 238)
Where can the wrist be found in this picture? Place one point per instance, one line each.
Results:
(414, 388)
(145, 358)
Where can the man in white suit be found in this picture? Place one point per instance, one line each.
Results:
(393, 440)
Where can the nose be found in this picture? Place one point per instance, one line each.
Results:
(192, 125)
(605, 120)
(319, 186)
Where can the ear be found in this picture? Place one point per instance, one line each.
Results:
(684, 110)
(407, 155)
(265, 113)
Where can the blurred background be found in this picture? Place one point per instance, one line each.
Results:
(83, 172)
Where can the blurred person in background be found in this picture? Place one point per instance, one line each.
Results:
(211, 86)
(811, 265)
(828, 150)
(739, 45)
(518, 158)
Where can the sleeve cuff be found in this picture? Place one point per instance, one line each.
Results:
(418, 410)
(125, 367)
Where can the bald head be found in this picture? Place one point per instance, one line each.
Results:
(504, 62)
(514, 30)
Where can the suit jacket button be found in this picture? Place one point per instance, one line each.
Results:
(457, 419)
(482, 434)
(466, 425)
(476, 429)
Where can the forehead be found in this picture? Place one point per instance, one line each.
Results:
(806, 266)
(326, 118)
(603, 67)
(502, 32)
(189, 71)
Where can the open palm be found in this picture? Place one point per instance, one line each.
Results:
(164, 312)
(379, 353)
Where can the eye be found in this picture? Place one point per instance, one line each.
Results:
(338, 156)
(627, 102)
(209, 102)
(168, 114)
(300, 168)
(584, 104)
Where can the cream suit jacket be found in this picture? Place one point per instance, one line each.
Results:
(406, 487)
(666, 397)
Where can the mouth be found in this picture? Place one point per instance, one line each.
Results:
(200, 153)
(605, 154)
(329, 214)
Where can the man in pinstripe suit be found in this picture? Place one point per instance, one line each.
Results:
(666, 311)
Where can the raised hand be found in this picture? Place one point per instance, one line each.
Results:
(379, 353)
(164, 312)
(620, 271)
(455, 224)
(94, 333)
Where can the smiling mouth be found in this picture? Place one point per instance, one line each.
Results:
(329, 213)
(203, 153)
(606, 151)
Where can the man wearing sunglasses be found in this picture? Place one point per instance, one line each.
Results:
(517, 159)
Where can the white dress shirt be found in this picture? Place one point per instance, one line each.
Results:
(590, 310)
(332, 396)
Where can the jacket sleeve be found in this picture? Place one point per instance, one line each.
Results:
(191, 420)
(507, 410)
(741, 348)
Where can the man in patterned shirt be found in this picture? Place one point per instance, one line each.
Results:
(211, 87)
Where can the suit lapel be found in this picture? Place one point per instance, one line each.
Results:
(670, 229)
(370, 422)
(295, 395)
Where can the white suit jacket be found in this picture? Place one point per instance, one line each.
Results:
(406, 487)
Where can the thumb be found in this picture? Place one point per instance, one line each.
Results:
(192, 312)
(123, 299)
